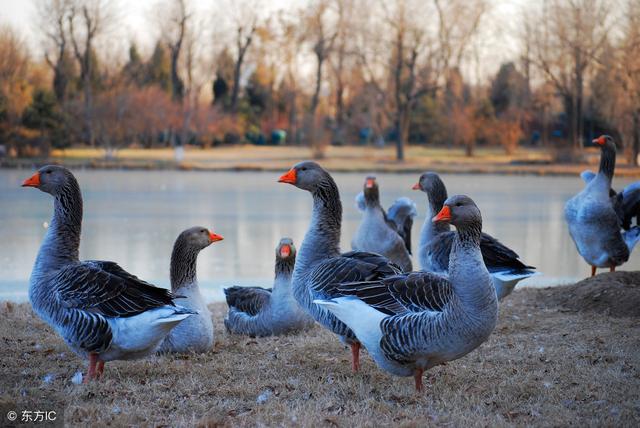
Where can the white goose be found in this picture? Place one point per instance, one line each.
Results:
(414, 321)
(101, 311)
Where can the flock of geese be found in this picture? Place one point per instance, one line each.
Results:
(409, 321)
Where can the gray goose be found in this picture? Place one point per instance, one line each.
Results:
(256, 311)
(194, 334)
(599, 219)
(436, 240)
(414, 321)
(319, 265)
(101, 311)
(379, 232)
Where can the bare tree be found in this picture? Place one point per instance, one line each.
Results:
(564, 41)
(340, 60)
(52, 16)
(87, 20)
(425, 42)
(173, 18)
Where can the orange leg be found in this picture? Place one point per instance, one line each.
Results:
(355, 356)
(100, 369)
(417, 375)
(593, 271)
(612, 269)
(91, 373)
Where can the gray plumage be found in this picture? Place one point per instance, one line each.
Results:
(256, 311)
(319, 265)
(385, 234)
(597, 220)
(96, 306)
(414, 321)
(436, 241)
(196, 333)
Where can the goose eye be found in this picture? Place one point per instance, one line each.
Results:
(458, 204)
(48, 171)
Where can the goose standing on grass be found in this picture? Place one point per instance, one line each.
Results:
(414, 321)
(194, 334)
(436, 240)
(319, 265)
(101, 311)
(381, 233)
(256, 311)
(600, 224)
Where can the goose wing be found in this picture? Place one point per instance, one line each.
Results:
(630, 205)
(105, 288)
(351, 267)
(250, 300)
(404, 293)
(498, 255)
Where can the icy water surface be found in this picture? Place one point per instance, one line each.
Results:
(133, 217)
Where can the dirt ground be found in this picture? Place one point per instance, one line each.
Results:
(562, 356)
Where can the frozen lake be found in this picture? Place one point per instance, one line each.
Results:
(133, 218)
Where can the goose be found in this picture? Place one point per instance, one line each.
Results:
(101, 311)
(436, 240)
(599, 223)
(319, 265)
(194, 334)
(256, 311)
(414, 321)
(379, 232)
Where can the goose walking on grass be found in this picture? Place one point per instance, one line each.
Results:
(194, 334)
(436, 240)
(414, 321)
(101, 311)
(319, 265)
(256, 311)
(382, 233)
(600, 219)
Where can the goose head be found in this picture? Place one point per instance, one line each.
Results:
(460, 211)
(51, 179)
(286, 250)
(431, 184)
(197, 238)
(605, 141)
(306, 175)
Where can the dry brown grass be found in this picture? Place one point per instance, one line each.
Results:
(542, 366)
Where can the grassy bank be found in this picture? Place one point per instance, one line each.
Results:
(356, 159)
(551, 361)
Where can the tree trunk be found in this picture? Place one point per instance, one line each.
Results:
(400, 133)
(236, 83)
(635, 148)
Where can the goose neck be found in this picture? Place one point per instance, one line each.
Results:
(183, 266)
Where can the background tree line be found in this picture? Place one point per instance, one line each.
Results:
(329, 72)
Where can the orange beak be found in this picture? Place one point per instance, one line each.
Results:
(215, 238)
(599, 141)
(416, 186)
(443, 215)
(288, 177)
(285, 251)
(33, 181)
(370, 182)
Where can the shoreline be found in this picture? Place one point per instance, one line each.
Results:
(557, 170)
(338, 159)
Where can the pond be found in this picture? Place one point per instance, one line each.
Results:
(133, 218)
